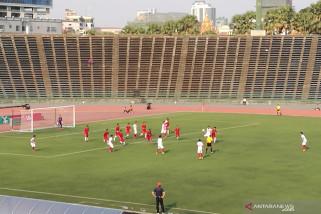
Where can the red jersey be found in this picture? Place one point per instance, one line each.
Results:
(117, 129)
(128, 128)
(106, 135)
(86, 131)
(177, 131)
(121, 137)
(214, 133)
(144, 127)
(149, 135)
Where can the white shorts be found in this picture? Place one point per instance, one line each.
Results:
(160, 146)
(110, 145)
(164, 131)
(304, 143)
(207, 134)
(200, 150)
(33, 145)
(135, 131)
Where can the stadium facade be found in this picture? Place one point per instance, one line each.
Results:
(28, 17)
(25, 8)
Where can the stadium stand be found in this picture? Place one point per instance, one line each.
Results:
(278, 67)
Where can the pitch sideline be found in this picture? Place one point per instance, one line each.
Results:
(98, 199)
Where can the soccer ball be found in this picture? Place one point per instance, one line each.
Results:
(203, 130)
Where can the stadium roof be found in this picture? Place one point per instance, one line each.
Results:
(18, 205)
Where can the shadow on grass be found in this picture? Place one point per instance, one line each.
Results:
(170, 206)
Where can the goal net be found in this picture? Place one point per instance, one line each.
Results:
(44, 118)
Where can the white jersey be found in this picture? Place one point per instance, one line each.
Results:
(208, 132)
(135, 128)
(199, 147)
(304, 139)
(110, 142)
(164, 130)
(33, 142)
(160, 143)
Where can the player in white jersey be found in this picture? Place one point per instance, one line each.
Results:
(33, 143)
(164, 130)
(208, 132)
(304, 142)
(110, 143)
(200, 145)
(160, 146)
(135, 129)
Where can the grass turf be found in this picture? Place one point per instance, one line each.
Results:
(257, 158)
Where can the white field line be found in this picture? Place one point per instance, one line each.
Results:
(89, 150)
(101, 148)
(23, 155)
(97, 199)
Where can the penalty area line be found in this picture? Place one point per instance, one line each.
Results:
(98, 199)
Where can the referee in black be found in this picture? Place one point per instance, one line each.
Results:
(159, 195)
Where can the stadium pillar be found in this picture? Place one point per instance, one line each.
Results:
(44, 66)
(245, 67)
(258, 14)
(181, 68)
(310, 68)
(115, 67)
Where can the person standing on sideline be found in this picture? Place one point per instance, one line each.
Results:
(159, 195)
(33, 142)
(278, 110)
(86, 133)
(59, 122)
(304, 142)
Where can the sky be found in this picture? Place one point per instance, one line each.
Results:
(116, 13)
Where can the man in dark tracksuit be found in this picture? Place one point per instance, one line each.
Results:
(159, 195)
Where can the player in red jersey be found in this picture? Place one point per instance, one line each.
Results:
(128, 130)
(121, 137)
(106, 133)
(86, 133)
(144, 129)
(177, 132)
(214, 134)
(149, 135)
(117, 130)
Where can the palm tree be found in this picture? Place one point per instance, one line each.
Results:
(244, 23)
(279, 21)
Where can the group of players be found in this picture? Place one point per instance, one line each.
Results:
(210, 136)
(145, 132)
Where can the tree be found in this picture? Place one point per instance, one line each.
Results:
(244, 23)
(310, 18)
(279, 21)
(187, 25)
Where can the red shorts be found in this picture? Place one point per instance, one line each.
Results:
(86, 134)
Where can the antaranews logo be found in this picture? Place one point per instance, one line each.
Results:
(256, 207)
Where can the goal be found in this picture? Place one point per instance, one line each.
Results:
(43, 118)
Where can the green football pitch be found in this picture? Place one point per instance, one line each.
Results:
(256, 158)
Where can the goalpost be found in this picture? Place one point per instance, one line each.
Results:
(44, 118)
